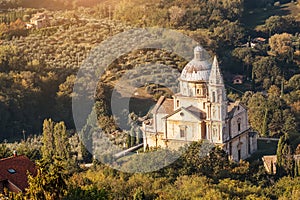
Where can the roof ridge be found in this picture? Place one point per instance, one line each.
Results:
(11, 157)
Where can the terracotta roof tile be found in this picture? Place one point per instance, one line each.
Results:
(163, 105)
(21, 165)
(167, 106)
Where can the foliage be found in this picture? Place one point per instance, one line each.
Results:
(56, 144)
(86, 194)
(272, 111)
(178, 14)
(37, 69)
(49, 183)
(285, 161)
(287, 188)
(279, 24)
(281, 46)
(4, 151)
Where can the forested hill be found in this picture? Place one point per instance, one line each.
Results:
(258, 40)
(38, 66)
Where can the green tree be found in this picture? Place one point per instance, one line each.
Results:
(285, 160)
(245, 55)
(64, 100)
(61, 141)
(139, 194)
(11, 58)
(128, 141)
(204, 159)
(48, 148)
(257, 105)
(133, 137)
(56, 144)
(265, 68)
(281, 46)
(286, 188)
(4, 151)
(49, 183)
(278, 24)
(139, 136)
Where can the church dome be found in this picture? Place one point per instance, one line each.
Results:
(199, 68)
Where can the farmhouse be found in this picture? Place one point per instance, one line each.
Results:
(39, 20)
(201, 111)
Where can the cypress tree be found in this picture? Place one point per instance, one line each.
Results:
(133, 137)
(279, 150)
(139, 136)
(272, 168)
(48, 140)
(61, 141)
(264, 128)
(296, 168)
(128, 141)
(285, 160)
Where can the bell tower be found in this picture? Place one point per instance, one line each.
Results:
(218, 103)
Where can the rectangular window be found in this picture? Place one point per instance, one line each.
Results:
(182, 131)
(215, 132)
(203, 105)
(230, 149)
(239, 124)
(249, 145)
(177, 103)
(239, 155)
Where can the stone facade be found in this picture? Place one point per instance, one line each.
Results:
(201, 111)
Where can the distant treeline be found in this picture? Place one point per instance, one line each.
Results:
(49, 4)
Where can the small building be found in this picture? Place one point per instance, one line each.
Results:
(40, 20)
(238, 79)
(270, 163)
(259, 40)
(29, 26)
(13, 173)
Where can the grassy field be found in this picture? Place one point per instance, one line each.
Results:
(253, 18)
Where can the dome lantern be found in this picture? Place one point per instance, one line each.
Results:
(198, 53)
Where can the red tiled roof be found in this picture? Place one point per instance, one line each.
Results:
(22, 165)
(163, 105)
(167, 106)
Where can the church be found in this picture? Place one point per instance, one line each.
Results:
(200, 111)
